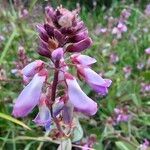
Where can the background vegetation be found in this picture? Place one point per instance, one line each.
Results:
(126, 90)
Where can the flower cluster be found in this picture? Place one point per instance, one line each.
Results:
(145, 88)
(121, 26)
(61, 39)
(116, 26)
(22, 61)
(120, 115)
(127, 71)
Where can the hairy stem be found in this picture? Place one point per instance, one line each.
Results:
(53, 95)
(55, 82)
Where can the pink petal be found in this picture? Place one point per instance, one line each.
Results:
(108, 82)
(43, 118)
(42, 32)
(80, 46)
(115, 30)
(99, 89)
(67, 113)
(57, 106)
(26, 79)
(64, 68)
(57, 54)
(59, 36)
(32, 68)
(78, 37)
(91, 76)
(78, 98)
(29, 97)
(95, 81)
(82, 59)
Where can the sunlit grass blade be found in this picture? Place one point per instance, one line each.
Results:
(6, 48)
(7, 117)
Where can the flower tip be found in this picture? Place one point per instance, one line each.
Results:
(69, 76)
(108, 82)
(93, 111)
(57, 54)
(16, 113)
(80, 46)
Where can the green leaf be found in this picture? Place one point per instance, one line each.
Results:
(110, 72)
(28, 146)
(65, 145)
(124, 145)
(7, 117)
(77, 133)
(136, 99)
(146, 75)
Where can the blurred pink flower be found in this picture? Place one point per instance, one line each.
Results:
(125, 14)
(147, 51)
(145, 145)
(100, 30)
(147, 10)
(89, 142)
(113, 58)
(140, 66)
(2, 38)
(145, 87)
(127, 70)
(121, 28)
(24, 13)
(121, 115)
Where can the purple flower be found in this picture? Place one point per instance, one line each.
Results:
(29, 97)
(78, 98)
(59, 96)
(95, 81)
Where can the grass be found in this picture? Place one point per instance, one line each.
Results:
(123, 92)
